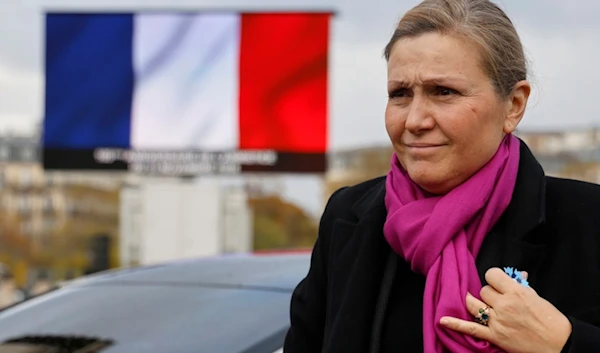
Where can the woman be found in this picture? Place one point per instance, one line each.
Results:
(424, 259)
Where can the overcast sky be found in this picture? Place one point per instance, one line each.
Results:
(560, 38)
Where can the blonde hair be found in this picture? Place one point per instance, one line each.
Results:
(482, 23)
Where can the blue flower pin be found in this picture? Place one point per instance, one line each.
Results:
(516, 275)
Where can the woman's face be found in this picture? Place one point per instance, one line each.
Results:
(444, 118)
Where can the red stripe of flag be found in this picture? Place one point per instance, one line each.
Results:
(283, 82)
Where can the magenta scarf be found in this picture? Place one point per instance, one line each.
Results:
(440, 237)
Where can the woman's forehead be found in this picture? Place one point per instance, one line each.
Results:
(434, 58)
(434, 48)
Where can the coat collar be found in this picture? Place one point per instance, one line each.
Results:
(372, 201)
(527, 209)
(517, 239)
(358, 263)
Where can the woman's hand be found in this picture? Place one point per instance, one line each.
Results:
(519, 319)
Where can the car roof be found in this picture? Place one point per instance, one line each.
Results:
(224, 304)
(266, 271)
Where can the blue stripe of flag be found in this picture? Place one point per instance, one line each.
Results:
(89, 80)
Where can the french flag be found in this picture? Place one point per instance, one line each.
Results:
(213, 81)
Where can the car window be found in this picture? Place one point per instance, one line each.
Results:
(145, 318)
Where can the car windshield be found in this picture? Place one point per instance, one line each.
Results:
(156, 318)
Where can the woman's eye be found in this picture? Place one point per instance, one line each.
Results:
(445, 91)
(399, 93)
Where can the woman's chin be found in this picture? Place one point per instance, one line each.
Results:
(433, 184)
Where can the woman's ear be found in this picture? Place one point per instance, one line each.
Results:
(517, 102)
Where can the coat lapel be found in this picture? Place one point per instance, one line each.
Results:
(517, 238)
(358, 265)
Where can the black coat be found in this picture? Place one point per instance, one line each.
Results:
(359, 296)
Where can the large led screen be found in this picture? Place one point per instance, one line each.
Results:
(186, 93)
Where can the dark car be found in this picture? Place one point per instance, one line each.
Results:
(228, 304)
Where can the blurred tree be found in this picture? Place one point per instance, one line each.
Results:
(15, 249)
(279, 224)
(93, 211)
(268, 233)
(63, 245)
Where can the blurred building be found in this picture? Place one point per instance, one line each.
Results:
(560, 141)
(48, 219)
(65, 223)
(573, 154)
(349, 167)
(172, 219)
